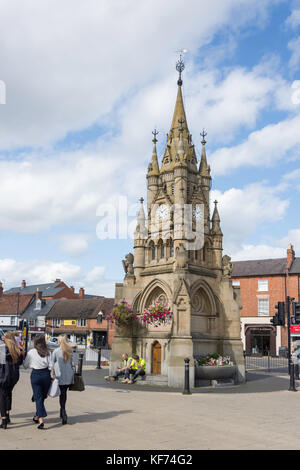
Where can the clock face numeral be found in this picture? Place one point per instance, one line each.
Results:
(163, 212)
(197, 213)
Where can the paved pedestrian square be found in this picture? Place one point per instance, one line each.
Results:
(261, 414)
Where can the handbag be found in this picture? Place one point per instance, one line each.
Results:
(54, 390)
(78, 385)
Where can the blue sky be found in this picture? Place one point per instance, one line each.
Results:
(86, 83)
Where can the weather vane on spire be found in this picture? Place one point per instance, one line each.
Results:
(155, 133)
(180, 65)
(203, 135)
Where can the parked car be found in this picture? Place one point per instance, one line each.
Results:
(52, 342)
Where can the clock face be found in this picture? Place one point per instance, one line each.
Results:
(163, 212)
(197, 213)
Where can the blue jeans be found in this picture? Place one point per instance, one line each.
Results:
(40, 382)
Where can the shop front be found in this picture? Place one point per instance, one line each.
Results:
(260, 339)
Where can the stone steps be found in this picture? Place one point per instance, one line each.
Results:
(151, 379)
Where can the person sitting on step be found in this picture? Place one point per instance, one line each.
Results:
(138, 368)
(121, 371)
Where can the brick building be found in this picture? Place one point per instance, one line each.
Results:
(12, 306)
(263, 283)
(82, 320)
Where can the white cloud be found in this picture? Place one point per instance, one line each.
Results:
(70, 63)
(43, 271)
(262, 148)
(243, 211)
(35, 271)
(294, 19)
(253, 252)
(75, 244)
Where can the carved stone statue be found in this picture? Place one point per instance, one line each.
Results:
(128, 263)
(227, 266)
(181, 256)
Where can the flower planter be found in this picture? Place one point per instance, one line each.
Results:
(215, 372)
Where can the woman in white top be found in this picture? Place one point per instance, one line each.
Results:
(39, 360)
(63, 370)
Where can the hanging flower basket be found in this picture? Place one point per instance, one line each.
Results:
(157, 314)
(122, 314)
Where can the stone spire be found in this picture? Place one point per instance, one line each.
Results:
(216, 228)
(204, 168)
(141, 231)
(153, 167)
(179, 149)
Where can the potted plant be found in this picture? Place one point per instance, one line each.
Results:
(157, 314)
(122, 315)
(214, 367)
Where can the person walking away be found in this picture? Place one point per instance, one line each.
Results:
(137, 368)
(10, 360)
(121, 371)
(63, 371)
(39, 360)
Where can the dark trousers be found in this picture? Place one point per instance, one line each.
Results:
(135, 372)
(40, 382)
(5, 400)
(118, 373)
(63, 396)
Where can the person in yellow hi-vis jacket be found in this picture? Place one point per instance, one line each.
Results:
(138, 367)
(127, 361)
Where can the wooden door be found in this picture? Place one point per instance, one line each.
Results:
(156, 359)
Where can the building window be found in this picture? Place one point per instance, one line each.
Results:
(100, 317)
(262, 285)
(56, 322)
(171, 248)
(81, 322)
(263, 307)
(13, 321)
(31, 322)
(236, 283)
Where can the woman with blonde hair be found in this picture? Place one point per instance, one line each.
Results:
(63, 371)
(11, 358)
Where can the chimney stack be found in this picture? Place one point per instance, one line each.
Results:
(81, 293)
(72, 289)
(290, 256)
(1, 289)
(38, 294)
(57, 280)
(23, 284)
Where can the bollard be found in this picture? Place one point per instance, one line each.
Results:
(292, 378)
(80, 361)
(186, 390)
(99, 359)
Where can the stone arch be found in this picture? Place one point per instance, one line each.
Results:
(154, 291)
(203, 301)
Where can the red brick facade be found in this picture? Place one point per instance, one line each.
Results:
(281, 282)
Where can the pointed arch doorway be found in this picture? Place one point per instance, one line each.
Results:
(156, 358)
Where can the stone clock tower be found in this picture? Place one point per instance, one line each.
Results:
(178, 259)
